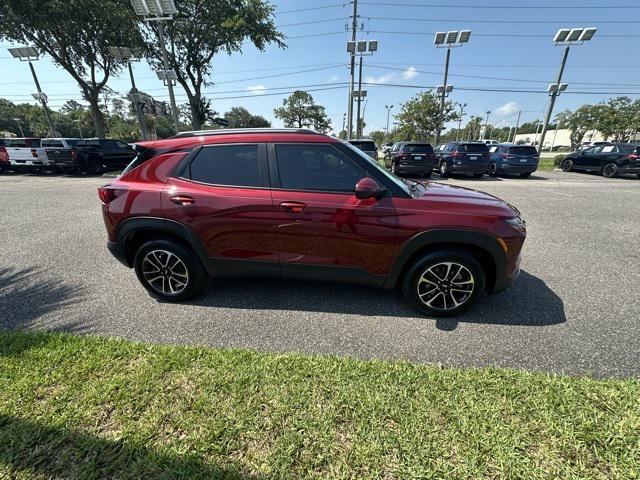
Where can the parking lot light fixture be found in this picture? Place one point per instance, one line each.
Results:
(126, 55)
(565, 37)
(452, 38)
(360, 49)
(159, 11)
(30, 55)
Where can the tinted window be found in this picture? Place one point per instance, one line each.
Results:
(368, 146)
(473, 147)
(417, 148)
(236, 165)
(72, 143)
(23, 142)
(609, 149)
(316, 167)
(52, 143)
(523, 150)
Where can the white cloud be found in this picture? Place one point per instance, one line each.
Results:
(409, 73)
(508, 108)
(386, 78)
(256, 89)
(334, 78)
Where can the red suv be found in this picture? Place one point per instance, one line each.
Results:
(297, 204)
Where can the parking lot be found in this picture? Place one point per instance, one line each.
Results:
(575, 308)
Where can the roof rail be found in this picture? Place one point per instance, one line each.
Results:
(235, 131)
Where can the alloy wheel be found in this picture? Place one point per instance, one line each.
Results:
(443, 168)
(445, 286)
(165, 272)
(493, 169)
(567, 165)
(609, 170)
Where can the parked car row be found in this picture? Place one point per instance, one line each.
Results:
(608, 159)
(92, 155)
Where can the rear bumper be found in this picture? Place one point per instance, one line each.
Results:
(517, 168)
(117, 250)
(629, 170)
(453, 168)
(415, 167)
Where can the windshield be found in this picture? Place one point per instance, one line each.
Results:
(382, 170)
(523, 150)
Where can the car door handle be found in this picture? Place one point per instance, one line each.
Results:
(183, 200)
(295, 207)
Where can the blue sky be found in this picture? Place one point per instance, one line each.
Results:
(525, 58)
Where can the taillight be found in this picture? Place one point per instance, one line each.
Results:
(458, 155)
(633, 156)
(108, 193)
(74, 153)
(34, 153)
(404, 155)
(509, 156)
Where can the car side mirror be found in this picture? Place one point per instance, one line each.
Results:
(369, 188)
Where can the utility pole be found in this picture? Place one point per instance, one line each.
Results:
(344, 122)
(462, 105)
(388, 107)
(486, 123)
(442, 96)
(553, 93)
(17, 120)
(358, 125)
(354, 27)
(137, 104)
(42, 98)
(515, 130)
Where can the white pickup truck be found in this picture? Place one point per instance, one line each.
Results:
(26, 153)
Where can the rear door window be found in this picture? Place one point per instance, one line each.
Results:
(229, 165)
(316, 167)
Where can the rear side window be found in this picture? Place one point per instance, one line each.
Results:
(523, 150)
(318, 168)
(52, 143)
(417, 148)
(233, 165)
(473, 148)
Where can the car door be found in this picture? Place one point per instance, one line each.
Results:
(323, 230)
(608, 154)
(591, 158)
(221, 193)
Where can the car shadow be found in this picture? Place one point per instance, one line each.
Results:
(28, 294)
(58, 452)
(530, 302)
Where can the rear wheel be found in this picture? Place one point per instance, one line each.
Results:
(566, 165)
(93, 166)
(444, 283)
(394, 168)
(525, 174)
(444, 169)
(493, 169)
(168, 270)
(609, 170)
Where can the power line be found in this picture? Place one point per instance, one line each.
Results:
(502, 7)
(322, 7)
(510, 35)
(458, 20)
(311, 22)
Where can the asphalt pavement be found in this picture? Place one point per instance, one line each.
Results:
(575, 308)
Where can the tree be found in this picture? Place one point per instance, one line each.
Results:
(342, 135)
(419, 117)
(579, 122)
(75, 34)
(378, 136)
(221, 26)
(617, 119)
(239, 117)
(299, 110)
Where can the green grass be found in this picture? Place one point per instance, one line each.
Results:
(546, 164)
(84, 407)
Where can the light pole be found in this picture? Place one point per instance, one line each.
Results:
(126, 55)
(79, 128)
(486, 123)
(388, 107)
(30, 54)
(447, 40)
(515, 130)
(158, 11)
(352, 63)
(17, 120)
(566, 37)
(462, 105)
(361, 48)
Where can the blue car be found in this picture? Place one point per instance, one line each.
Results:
(462, 157)
(511, 158)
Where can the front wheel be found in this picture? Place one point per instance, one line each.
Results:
(444, 283)
(168, 270)
(444, 169)
(609, 170)
(566, 165)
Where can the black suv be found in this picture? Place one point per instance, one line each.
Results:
(608, 159)
(413, 157)
(97, 154)
(463, 157)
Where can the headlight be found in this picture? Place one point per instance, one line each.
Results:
(516, 222)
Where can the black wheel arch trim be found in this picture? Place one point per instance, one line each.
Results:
(443, 236)
(134, 225)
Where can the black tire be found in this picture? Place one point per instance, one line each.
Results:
(472, 270)
(478, 175)
(566, 165)
(525, 174)
(492, 171)
(93, 166)
(427, 174)
(193, 272)
(610, 170)
(443, 169)
(394, 168)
